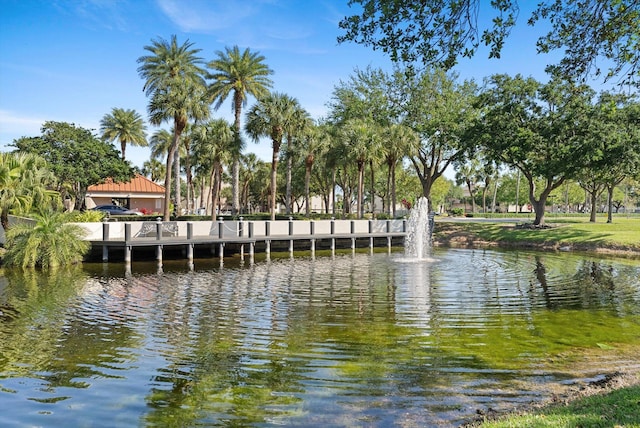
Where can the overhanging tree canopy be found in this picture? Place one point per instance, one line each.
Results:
(436, 33)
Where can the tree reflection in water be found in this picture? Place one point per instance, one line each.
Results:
(350, 339)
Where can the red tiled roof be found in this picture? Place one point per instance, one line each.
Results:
(138, 184)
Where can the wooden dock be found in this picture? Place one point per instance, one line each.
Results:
(126, 237)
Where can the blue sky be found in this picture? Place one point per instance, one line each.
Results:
(74, 60)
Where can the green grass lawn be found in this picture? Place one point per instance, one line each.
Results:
(622, 234)
(620, 408)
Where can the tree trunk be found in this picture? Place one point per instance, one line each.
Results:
(594, 199)
(274, 173)
(4, 219)
(373, 192)
(389, 191)
(307, 179)
(610, 204)
(214, 190)
(235, 167)
(176, 167)
(359, 211)
(187, 168)
(167, 186)
(538, 208)
(426, 191)
(289, 201)
(333, 192)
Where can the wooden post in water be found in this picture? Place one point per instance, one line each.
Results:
(353, 236)
(333, 231)
(312, 231)
(221, 236)
(370, 235)
(251, 244)
(291, 234)
(105, 237)
(127, 247)
(240, 234)
(267, 242)
(158, 238)
(190, 244)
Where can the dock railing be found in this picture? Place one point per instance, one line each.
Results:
(129, 235)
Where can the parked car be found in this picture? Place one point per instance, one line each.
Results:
(116, 210)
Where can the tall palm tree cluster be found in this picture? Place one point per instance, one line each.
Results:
(183, 89)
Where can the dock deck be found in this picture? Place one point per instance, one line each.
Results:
(127, 236)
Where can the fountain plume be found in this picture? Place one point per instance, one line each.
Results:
(417, 243)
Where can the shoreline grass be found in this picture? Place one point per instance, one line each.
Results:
(615, 408)
(570, 233)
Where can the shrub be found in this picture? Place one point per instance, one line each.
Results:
(88, 216)
(50, 243)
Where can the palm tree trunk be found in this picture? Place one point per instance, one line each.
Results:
(176, 167)
(274, 173)
(333, 192)
(4, 219)
(359, 210)
(307, 179)
(393, 190)
(373, 194)
(215, 187)
(289, 202)
(235, 167)
(167, 185)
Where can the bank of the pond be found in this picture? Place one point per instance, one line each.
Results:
(613, 399)
(619, 238)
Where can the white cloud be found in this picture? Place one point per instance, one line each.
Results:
(206, 16)
(97, 13)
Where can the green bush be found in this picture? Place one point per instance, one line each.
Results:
(50, 243)
(88, 216)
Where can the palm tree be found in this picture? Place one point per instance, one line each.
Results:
(174, 80)
(299, 124)
(159, 143)
(213, 142)
(182, 103)
(125, 126)
(314, 144)
(249, 165)
(241, 73)
(359, 138)
(24, 184)
(399, 141)
(269, 117)
(468, 172)
(50, 243)
(154, 169)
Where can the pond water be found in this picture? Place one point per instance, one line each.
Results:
(354, 339)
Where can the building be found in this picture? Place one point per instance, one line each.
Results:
(139, 194)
